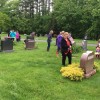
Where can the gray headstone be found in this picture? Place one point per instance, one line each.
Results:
(84, 45)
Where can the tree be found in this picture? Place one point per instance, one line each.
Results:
(2, 3)
(78, 17)
(4, 22)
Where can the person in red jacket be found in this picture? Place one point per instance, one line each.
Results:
(66, 49)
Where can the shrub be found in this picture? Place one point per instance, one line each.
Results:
(73, 72)
(96, 65)
(76, 49)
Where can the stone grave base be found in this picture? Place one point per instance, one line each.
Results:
(6, 50)
(29, 44)
(29, 48)
(90, 73)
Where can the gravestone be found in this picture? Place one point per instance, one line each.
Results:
(7, 45)
(85, 37)
(84, 45)
(30, 37)
(84, 42)
(87, 63)
(29, 44)
(9, 38)
(30, 41)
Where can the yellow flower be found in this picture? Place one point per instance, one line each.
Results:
(73, 72)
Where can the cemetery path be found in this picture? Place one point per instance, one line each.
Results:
(54, 42)
(76, 43)
(87, 44)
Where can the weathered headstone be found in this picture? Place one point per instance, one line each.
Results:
(87, 63)
(84, 45)
(85, 37)
(30, 37)
(29, 44)
(7, 45)
(30, 41)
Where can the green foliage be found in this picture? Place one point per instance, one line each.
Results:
(76, 49)
(22, 24)
(96, 65)
(11, 8)
(2, 3)
(76, 16)
(4, 22)
(42, 24)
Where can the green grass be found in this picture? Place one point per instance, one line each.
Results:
(88, 41)
(35, 75)
(44, 38)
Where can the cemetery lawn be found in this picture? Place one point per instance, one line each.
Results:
(35, 75)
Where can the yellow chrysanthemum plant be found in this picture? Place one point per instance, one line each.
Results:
(96, 66)
(73, 72)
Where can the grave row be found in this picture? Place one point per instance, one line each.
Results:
(86, 61)
(7, 44)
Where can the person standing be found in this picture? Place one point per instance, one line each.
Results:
(66, 49)
(98, 49)
(17, 36)
(49, 39)
(12, 34)
(59, 38)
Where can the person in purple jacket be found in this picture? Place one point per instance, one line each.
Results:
(49, 39)
(59, 38)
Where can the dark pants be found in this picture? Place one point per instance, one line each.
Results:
(64, 58)
(18, 39)
(12, 39)
(58, 49)
(48, 47)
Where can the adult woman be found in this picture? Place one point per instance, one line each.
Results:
(17, 36)
(49, 39)
(12, 34)
(66, 49)
(59, 38)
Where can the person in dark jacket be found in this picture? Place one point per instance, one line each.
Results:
(66, 49)
(49, 39)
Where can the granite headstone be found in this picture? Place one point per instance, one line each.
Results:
(87, 63)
